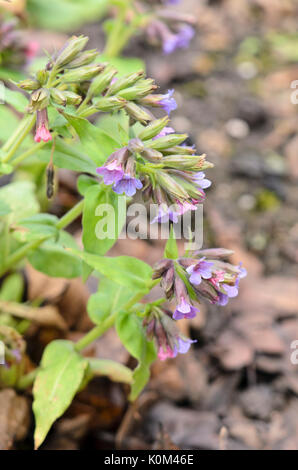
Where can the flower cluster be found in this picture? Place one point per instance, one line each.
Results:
(163, 329)
(74, 78)
(203, 276)
(168, 172)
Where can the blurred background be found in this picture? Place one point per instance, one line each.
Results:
(235, 89)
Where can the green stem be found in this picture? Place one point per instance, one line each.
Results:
(71, 215)
(20, 254)
(18, 137)
(99, 330)
(27, 380)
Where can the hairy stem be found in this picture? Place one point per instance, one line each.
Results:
(18, 137)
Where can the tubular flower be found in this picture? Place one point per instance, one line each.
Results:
(169, 340)
(204, 275)
(42, 127)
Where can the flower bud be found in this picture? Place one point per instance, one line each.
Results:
(140, 89)
(100, 83)
(167, 141)
(171, 186)
(153, 129)
(70, 50)
(180, 150)
(72, 98)
(40, 99)
(184, 162)
(135, 145)
(152, 155)
(58, 96)
(113, 103)
(124, 82)
(167, 282)
(82, 74)
(161, 267)
(137, 113)
(84, 58)
(42, 77)
(29, 84)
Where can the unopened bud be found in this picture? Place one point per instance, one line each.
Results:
(167, 141)
(72, 98)
(180, 150)
(124, 82)
(40, 99)
(152, 155)
(84, 58)
(161, 267)
(29, 84)
(184, 162)
(100, 83)
(113, 103)
(215, 253)
(70, 50)
(83, 74)
(135, 145)
(153, 129)
(167, 283)
(139, 90)
(58, 96)
(138, 113)
(42, 77)
(171, 186)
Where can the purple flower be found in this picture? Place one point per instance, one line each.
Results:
(231, 291)
(166, 131)
(173, 2)
(128, 185)
(200, 180)
(180, 40)
(185, 35)
(184, 310)
(203, 269)
(167, 102)
(186, 206)
(165, 214)
(111, 173)
(182, 347)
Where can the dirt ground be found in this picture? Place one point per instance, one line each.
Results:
(237, 388)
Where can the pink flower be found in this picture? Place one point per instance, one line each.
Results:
(42, 127)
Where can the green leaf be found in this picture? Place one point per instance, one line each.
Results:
(84, 182)
(116, 126)
(109, 299)
(20, 197)
(12, 288)
(59, 378)
(6, 168)
(115, 371)
(16, 99)
(53, 258)
(36, 227)
(65, 15)
(104, 215)
(69, 157)
(125, 270)
(171, 249)
(95, 142)
(8, 122)
(4, 208)
(132, 335)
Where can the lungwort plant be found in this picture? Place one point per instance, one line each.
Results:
(126, 152)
